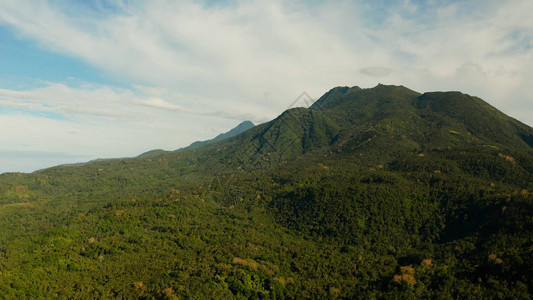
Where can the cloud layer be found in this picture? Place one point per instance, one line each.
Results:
(188, 67)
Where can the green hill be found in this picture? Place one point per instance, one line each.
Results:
(369, 193)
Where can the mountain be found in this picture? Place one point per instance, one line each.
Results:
(386, 122)
(242, 127)
(369, 193)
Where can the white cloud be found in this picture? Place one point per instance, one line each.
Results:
(191, 67)
(376, 71)
(93, 123)
(471, 47)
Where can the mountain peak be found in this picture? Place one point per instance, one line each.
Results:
(338, 96)
(243, 126)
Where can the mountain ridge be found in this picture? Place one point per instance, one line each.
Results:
(242, 127)
(410, 119)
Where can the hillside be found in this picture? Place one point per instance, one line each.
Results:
(369, 193)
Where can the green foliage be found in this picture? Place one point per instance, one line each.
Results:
(376, 193)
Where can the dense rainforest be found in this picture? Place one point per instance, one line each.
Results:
(380, 193)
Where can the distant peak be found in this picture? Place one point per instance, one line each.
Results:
(246, 123)
(242, 127)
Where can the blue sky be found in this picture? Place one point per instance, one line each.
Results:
(81, 80)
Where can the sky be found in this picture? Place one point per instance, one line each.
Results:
(81, 80)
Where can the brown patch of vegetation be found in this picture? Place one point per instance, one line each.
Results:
(407, 279)
(139, 285)
(420, 154)
(174, 192)
(21, 189)
(284, 281)
(91, 240)
(169, 293)
(407, 270)
(380, 166)
(494, 259)
(324, 166)
(437, 171)
(507, 157)
(407, 276)
(21, 204)
(426, 262)
(252, 264)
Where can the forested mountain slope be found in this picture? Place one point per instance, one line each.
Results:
(369, 193)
